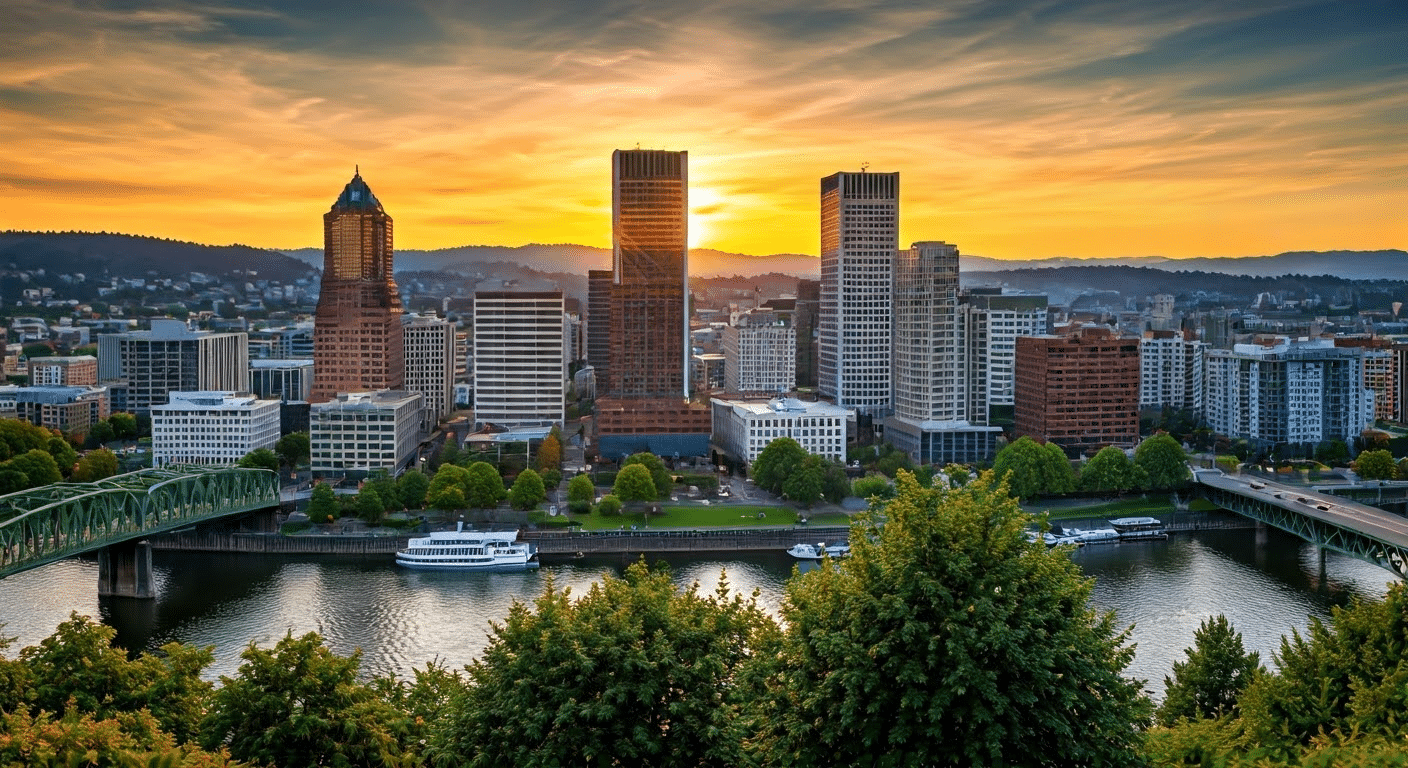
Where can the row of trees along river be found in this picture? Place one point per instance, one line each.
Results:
(946, 638)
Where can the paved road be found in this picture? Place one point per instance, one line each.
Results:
(1370, 521)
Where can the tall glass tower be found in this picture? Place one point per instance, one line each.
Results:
(358, 345)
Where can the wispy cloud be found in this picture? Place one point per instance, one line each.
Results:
(1020, 129)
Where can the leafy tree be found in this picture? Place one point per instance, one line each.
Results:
(124, 426)
(386, 490)
(1332, 452)
(1376, 465)
(299, 704)
(95, 465)
(804, 485)
(778, 459)
(322, 504)
(956, 475)
(411, 487)
(447, 489)
(293, 449)
(1110, 470)
(549, 453)
(580, 493)
(260, 458)
(1056, 474)
(947, 639)
(37, 465)
(835, 486)
(1209, 683)
(1163, 459)
(659, 475)
(370, 508)
(449, 453)
(609, 506)
(633, 485)
(18, 436)
(552, 478)
(484, 487)
(527, 491)
(100, 434)
(38, 350)
(12, 480)
(871, 486)
(1020, 464)
(64, 455)
(421, 704)
(634, 672)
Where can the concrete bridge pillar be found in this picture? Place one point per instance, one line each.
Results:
(125, 570)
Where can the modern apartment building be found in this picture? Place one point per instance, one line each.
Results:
(429, 348)
(940, 393)
(358, 343)
(1172, 371)
(146, 366)
(1284, 391)
(995, 320)
(743, 428)
(71, 410)
(359, 433)
(519, 377)
(1078, 388)
(760, 354)
(859, 237)
(1382, 372)
(212, 427)
(78, 371)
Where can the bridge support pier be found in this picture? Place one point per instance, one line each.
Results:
(125, 570)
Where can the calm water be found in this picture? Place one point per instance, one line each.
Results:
(1267, 583)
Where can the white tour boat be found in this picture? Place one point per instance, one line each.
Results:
(815, 551)
(461, 550)
(1139, 528)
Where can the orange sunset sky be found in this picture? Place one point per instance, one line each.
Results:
(1020, 129)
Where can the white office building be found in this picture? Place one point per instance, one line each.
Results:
(359, 433)
(760, 354)
(212, 427)
(859, 237)
(430, 366)
(1306, 391)
(994, 321)
(1172, 369)
(743, 428)
(144, 367)
(520, 379)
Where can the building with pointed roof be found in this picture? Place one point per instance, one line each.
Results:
(358, 342)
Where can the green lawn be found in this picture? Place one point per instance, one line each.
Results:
(1123, 508)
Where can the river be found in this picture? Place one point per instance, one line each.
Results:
(1268, 583)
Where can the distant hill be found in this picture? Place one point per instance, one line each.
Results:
(1351, 265)
(99, 254)
(577, 259)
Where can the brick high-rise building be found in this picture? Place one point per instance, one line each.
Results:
(1078, 389)
(643, 404)
(358, 345)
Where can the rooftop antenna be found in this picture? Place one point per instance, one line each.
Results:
(356, 170)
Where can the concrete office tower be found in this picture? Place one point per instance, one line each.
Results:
(859, 237)
(287, 380)
(1078, 389)
(358, 345)
(143, 367)
(358, 433)
(430, 366)
(995, 321)
(599, 322)
(643, 405)
(1171, 371)
(760, 354)
(805, 319)
(519, 376)
(212, 427)
(1288, 392)
(940, 393)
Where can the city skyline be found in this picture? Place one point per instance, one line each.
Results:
(1028, 130)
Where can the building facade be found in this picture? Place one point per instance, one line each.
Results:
(149, 365)
(859, 237)
(1078, 389)
(78, 371)
(743, 428)
(1283, 391)
(1383, 368)
(599, 321)
(359, 433)
(212, 427)
(940, 391)
(519, 377)
(994, 322)
(429, 348)
(760, 354)
(71, 410)
(358, 343)
(1172, 371)
(287, 380)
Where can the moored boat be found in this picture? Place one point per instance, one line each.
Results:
(461, 550)
(1139, 528)
(815, 551)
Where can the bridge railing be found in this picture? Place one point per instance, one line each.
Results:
(44, 524)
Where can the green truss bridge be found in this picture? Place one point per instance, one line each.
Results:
(1324, 519)
(112, 516)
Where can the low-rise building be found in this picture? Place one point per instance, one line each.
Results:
(78, 371)
(359, 433)
(212, 427)
(71, 410)
(742, 428)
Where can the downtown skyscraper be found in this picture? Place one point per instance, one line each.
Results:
(358, 342)
(859, 237)
(643, 400)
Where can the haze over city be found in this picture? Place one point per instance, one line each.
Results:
(1021, 130)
